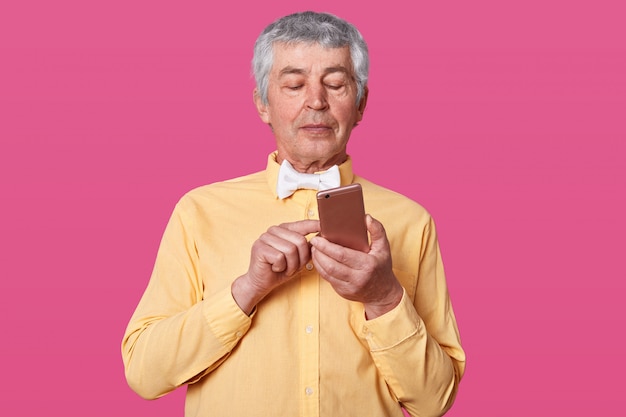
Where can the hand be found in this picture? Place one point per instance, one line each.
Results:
(275, 257)
(357, 276)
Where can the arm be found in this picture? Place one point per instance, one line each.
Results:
(414, 342)
(421, 373)
(177, 335)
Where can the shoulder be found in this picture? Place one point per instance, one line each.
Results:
(240, 188)
(379, 199)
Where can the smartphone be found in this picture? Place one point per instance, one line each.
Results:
(342, 216)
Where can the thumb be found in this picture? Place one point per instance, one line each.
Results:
(377, 232)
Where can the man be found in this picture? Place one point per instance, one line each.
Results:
(260, 316)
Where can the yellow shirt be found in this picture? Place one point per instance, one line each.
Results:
(305, 351)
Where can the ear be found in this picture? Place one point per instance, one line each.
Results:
(261, 107)
(362, 104)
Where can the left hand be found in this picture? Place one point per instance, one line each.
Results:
(357, 276)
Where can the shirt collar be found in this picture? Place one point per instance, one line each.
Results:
(345, 170)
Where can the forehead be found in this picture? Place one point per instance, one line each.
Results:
(308, 57)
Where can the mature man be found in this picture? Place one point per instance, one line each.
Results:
(259, 315)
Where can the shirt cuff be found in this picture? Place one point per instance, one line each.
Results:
(390, 329)
(224, 317)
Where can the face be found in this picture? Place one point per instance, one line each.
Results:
(312, 106)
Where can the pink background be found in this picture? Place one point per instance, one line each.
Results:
(507, 121)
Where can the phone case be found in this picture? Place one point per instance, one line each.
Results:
(342, 216)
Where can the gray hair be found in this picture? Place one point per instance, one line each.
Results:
(324, 29)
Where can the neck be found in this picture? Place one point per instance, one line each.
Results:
(310, 167)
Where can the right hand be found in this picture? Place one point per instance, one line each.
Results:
(276, 256)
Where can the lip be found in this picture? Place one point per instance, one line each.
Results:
(316, 127)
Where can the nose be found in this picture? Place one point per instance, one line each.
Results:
(316, 97)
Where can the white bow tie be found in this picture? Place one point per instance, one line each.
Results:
(290, 180)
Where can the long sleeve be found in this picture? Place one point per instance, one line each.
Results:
(175, 336)
(306, 351)
(416, 346)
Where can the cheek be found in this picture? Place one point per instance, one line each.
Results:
(283, 114)
(345, 110)
(347, 118)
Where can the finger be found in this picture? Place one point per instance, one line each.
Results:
(303, 227)
(278, 262)
(337, 275)
(290, 250)
(377, 233)
(340, 254)
(264, 254)
(328, 266)
(321, 260)
(284, 236)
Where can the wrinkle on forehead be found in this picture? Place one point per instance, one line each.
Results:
(295, 58)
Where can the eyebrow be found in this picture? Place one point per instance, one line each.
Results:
(295, 70)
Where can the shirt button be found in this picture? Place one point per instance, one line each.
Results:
(308, 329)
(238, 334)
(308, 391)
(310, 213)
(309, 266)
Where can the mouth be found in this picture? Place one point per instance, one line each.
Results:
(316, 128)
